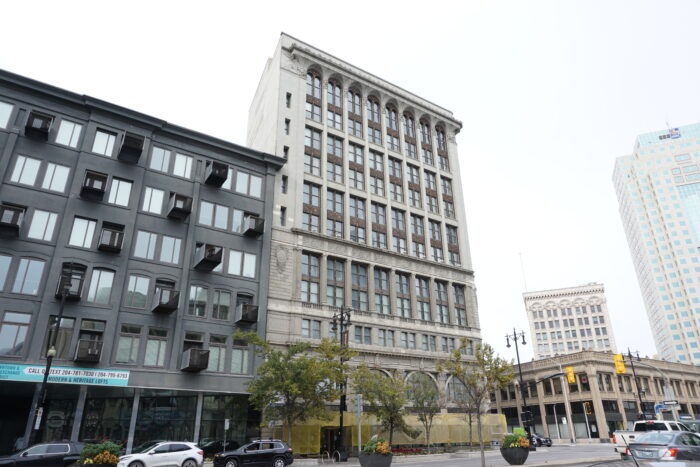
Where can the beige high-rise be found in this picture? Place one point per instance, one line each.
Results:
(369, 212)
(569, 320)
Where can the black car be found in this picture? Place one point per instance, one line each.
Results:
(215, 446)
(666, 445)
(260, 453)
(538, 440)
(55, 454)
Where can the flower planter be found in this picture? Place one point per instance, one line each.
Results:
(375, 460)
(515, 456)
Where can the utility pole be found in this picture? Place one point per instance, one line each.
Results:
(340, 324)
(636, 382)
(523, 392)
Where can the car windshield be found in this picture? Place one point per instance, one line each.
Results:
(144, 447)
(655, 438)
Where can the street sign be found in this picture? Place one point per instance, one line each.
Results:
(570, 376)
(563, 420)
(619, 363)
(659, 407)
(670, 402)
(227, 422)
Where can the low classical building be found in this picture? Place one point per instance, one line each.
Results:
(600, 401)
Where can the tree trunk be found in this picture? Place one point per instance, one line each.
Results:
(289, 431)
(481, 439)
(471, 434)
(427, 438)
(391, 435)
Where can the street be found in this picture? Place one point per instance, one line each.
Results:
(581, 454)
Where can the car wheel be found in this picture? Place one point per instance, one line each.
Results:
(232, 463)
(189, 463)
(136, 464)
(278, 462)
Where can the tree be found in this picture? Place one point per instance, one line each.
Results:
(424, 397)
(386, 397)
(294, 384)
(482, 375)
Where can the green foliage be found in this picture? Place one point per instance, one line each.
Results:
(425, 399)
(377, 445)
(515, 440)
(296, 383)
(386, 397)
(519, 431)
(91, 450)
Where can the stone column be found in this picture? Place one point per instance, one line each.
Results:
(78, 417)
(370, 288)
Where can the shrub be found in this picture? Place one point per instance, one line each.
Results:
(100, 453)
(513, 440)
(378, 446)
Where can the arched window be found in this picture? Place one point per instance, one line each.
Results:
(354, 113)
(392, 128)
(313, 96)
(374, 120)
(409, 135)
(425, 132)
(443, 159)
(334, 99)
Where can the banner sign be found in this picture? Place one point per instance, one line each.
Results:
(66, 375)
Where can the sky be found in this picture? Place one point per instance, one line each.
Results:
(549, 93)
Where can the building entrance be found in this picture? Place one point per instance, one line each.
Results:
(15, 403)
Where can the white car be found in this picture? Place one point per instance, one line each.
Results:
(165, 454)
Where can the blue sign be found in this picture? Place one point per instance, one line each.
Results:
(659, 407)
(65, 375)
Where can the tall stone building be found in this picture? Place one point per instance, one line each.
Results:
(369, 212)
(570, 319)
(658, 189)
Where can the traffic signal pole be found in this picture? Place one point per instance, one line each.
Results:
(636, 383)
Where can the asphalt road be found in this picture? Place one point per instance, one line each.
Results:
(581, 454)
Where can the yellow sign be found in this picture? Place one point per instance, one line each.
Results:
(619, 363)
(570, 376)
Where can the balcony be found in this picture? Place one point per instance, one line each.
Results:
(111, 239)
(131, 148)
(208, 257)
(71, 281)
(38, 126)
(247, 313)
(194, 360)
(166, 301)
(94, 186)
(179, 206)
(88, 351)
(215, 174)
(253, 226)
(11, 218)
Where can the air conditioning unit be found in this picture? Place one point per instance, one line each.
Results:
(179, 206)
(194, 360)
(208, 257)
(88, 351)
(253, 225)
(247, 313)
(94, 186)
(131, 148)
(111, 240)
(38, 126)
(11, 220)
(215, 174)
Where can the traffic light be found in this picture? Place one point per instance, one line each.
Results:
(570, 376)
(619, 363)
(527, 417)
(587, 408)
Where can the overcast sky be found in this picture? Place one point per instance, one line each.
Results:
(550, 93)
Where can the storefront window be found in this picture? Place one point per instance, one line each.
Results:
(163, 415)
(243, 423)
(107, 415)
(59, 412)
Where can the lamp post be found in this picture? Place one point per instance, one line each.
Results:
(340, 324)
(66, 281)
(636, 382)
(525, 412)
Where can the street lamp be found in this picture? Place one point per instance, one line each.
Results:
(340, 324)
(37, 411)
(525, 412)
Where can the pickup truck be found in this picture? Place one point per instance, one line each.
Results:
(622, 438)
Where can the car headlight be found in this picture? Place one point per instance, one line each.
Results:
(123, 458)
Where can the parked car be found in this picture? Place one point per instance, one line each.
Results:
(539, 441)
(666, 445)
(259, 453)
(162, 454)
(621, 439)
(215, 446)
(56, 454)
